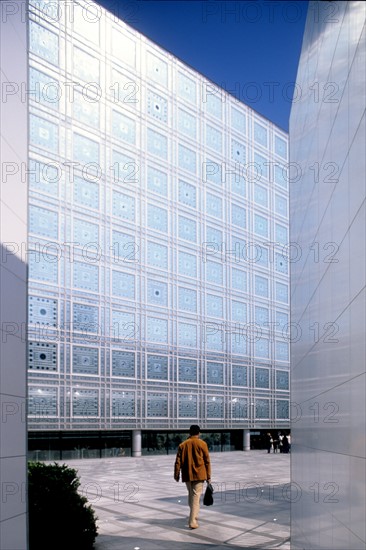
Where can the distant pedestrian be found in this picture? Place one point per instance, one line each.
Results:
(275, 445)
(193, 460)
(285, 447)
(280, 442)
(269, 442)
(289, 442)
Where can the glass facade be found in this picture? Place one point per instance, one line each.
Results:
(158, 225)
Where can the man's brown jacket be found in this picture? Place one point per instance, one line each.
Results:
(193, 459)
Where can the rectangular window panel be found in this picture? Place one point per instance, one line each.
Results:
(261, 316)
(123, 206)
(239, 408)
(282, 380)
(125, 169)
(260, 225)
(157, 367)
(213, 138)
(42, 402)
(157, 330)
(215, 373)
(282, 409)
(212, 172)
(187, 370)
(85, 233)
(86, 110)
(187, 193)
(86, 193)
(238, 120)
(262, 348)
(157, 106)
(123, 403)
(157, 404)
(261, 165)
(43, 43)
(260, 195)
(280, 147)
(85, 403)
(262, 408)
(214, 205)
(123, 47)
(281, 292)
(187, 123)
(123, 284)
(215, 407)
(85, 150)
(187, 229)
(261, 286)
(214, 306)
(187, 88)
(214, 273)
(123, 127)
(43, 222)
(42, 311)
(238, 216)
(85, 318)
(187, 334)
(239, 342)
(45, 89)
(43, 133)
(281, 205)
(239, 375)
(187, 299)
(42, 356)
(211, 102)
(187, 406)
(85, 360)
(281, 234)
(260, 134)
(124, 328)
(261, 378)
(238, 184)
(157, 69)
(157, 255)
(157, 181)
(187, 159)
(157, 293)
(187, 264)
(157, 218)
(239, 311)
(123, 363)
(239, 280)
(43, 267)
(282, 351)
(157, 144)
(43, 177)
(238, 152)
(85, 66)
(86, 276)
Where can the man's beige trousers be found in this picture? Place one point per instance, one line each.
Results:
(194, 494)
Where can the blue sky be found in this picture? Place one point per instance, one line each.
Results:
(250, 48)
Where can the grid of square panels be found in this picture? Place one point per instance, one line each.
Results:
(176, 220)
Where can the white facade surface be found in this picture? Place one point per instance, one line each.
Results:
(327, 212)
(13, 277)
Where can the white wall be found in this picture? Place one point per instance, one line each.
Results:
(13, 278)
(327, 130)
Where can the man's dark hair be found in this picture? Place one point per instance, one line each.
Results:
(194, 429)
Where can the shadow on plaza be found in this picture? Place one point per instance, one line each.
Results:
(245, 500)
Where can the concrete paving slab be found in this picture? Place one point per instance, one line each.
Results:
(140, 506)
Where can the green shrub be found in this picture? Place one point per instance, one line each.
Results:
(59, 517)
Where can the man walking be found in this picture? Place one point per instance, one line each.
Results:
(194, 460)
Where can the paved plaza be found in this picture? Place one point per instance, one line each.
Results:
(140, 506)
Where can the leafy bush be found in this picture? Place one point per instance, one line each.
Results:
(59, 516)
